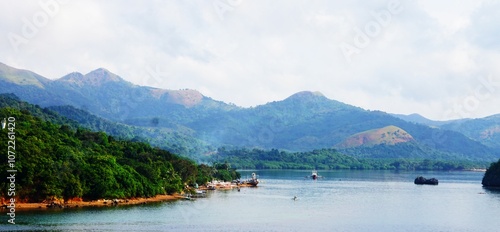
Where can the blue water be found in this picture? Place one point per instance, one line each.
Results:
(340, 201)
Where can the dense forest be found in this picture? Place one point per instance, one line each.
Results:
(492, 176)
(59, 160)
(330, 159)
(155, 132)
(164, 138)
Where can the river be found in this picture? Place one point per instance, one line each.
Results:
(343, 200)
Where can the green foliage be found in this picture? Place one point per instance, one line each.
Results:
(492, 175)
(485, 130)
(59, 161)
(205, 173)
(330, 159)
(155, 134)
(224, 171)
(175, 141)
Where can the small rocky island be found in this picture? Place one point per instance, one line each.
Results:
(492, 176)
(422, 180)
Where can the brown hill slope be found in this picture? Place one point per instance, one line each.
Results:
(389, 135)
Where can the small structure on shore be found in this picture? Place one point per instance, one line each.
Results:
(195, 194)
(421, 180)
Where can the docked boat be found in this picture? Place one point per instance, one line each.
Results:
(196, 194)
(254, 181)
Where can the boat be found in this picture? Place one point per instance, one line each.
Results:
(254, 181)
(314, 175)
(197, 194)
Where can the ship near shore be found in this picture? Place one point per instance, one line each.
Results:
(254, 181)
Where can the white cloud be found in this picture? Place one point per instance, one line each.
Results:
(425, 59)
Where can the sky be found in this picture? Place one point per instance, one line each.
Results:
(436, 58)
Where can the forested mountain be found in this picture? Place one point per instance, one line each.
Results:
(307, 121)
(108, 95)
(177, 140)
(302, 122)
(56, 160)
(417, 118)
(57, 157)
(485, 130)
(165, 138)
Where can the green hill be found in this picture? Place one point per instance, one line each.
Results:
(54, 160)
(174, 141)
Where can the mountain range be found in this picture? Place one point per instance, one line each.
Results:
(302, 122)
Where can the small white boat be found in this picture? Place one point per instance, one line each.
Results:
(314, 175)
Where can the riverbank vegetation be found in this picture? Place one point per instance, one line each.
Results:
(325, 159)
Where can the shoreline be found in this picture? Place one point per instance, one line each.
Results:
(75, 204)
(225, 186)
(97, 203)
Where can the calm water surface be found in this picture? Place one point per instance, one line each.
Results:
(340, 201)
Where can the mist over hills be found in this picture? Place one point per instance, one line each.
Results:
(302, 122)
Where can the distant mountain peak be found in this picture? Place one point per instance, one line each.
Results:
(97, 77)
(495, 116)
(185, 97)
(21, 77)
(306, 95)
(103, 75)
(72, 76)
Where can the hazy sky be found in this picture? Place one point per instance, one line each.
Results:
(441, 60)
